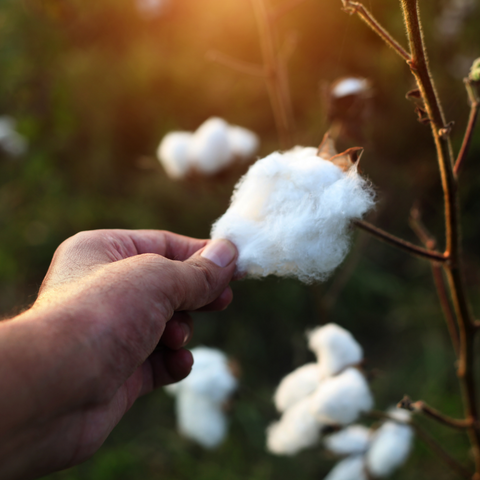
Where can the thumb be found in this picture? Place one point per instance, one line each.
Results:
(199, 280)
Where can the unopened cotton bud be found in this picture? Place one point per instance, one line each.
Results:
(243, 143)
(351, 468)
(335, 349)
(297, 429)
(200, 419)
(354, 439)
(173, 153)
(296, 385)
(390, 447)
(209, 149)
(290, 213)
(475, 71)
(341, 399)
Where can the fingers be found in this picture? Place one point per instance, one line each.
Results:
(165, 366)
(220, 303)
(178, 331)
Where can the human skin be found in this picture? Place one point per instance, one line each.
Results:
(108, 326)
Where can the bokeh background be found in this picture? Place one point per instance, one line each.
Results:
(94, 86)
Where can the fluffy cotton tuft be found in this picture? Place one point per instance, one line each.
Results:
(351, 468)
(354, 439)
(335, 349)
(200, 397)
(210, 149)
(350, 86)
(290, 213)
(296, 385)
(297, 429)
(390, 447)
(10, 140)
(341, 399)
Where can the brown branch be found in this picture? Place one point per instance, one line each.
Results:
(421, 407)
(426, 238)
(284, 8)
(420, 69)
(472, 120)
(235, 64)
(411, 248)
(454, 464)
(355, 7)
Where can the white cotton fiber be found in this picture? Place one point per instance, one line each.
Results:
(200, 419)
(10, 140)
(200, 397)
(341, 399)
(290, 215)
(351, 468)
(297, 429)
(390, 448)
(296, 385)
(173, 153)
(209, 149)
(335, 349)
(350, 86)
(243, 142)
(350, 440)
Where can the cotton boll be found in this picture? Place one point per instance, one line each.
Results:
(351, 468)
(296, 385)
(210, 149)
(10, 140)
(350, 440)
(335, 349)
(289, 215)
(243, 143)
(390, 448)
(341, 399)
(350, 86)
(200, 419)
(296, 430)
(173, 153)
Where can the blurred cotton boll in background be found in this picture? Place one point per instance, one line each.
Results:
(212, 148)
(351, 440)
(201, 396)
(335, 349)
(11, 141)
(351, 468)
(290, 215)
(149, 9)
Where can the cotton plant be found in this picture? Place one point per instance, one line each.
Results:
(290, 214)
(200, 398)
(12, 142)
(333, 393)
(213, 147)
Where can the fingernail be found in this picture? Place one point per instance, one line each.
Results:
(221, 252)
(186, 332)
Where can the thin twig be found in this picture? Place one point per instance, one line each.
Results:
(235, 64)
(358, 8)
(284, 8)
(455, 465)
(421, 407)
(420, 69)
(386, 237)
(426, 238)
(472, 120)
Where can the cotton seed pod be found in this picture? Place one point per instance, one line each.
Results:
(390, 447)
(351, 468)
(243, 143)
(209, 148)
(297, 429)
(341, 399)
(354, 439)
(173, 153)
(200, 419)
(289, 215)
(335, 349)
(296, 385)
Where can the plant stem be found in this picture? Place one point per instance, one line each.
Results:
(370, 20)
(472, 120)
(420, 69)
(276, 75)
(421, 407)
(386, 237)
(237, 65)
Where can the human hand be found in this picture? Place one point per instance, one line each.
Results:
(108, 326)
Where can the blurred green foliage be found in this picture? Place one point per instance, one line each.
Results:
(95, 86)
